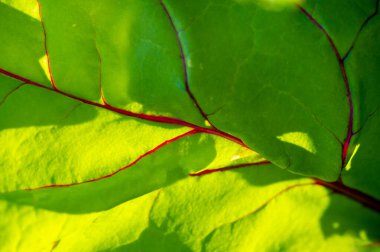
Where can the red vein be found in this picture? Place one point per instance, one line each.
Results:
(349, 134)
(286, 189)
(227, 168)
(192, 132)
(351, 193)
(267, 202)
(365, 23)
(152, 118)
(102, 98)
(71, 111)
(337, 187)
(11, 92)
(183, 59)
(45, 46)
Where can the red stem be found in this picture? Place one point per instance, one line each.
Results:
(351, 193)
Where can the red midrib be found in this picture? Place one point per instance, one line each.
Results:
(189, 133)
(356, 195)
(337, 187)
(183, 59)
(152, 118)
(373, 203)
(347, 140)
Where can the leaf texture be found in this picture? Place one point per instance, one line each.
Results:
(229, 125)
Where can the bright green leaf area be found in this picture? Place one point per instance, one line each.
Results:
(52, 131)
(79, 173)
(167, 165)
(252, 209)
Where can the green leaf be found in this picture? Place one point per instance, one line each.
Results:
(96, 48)
(254, 92)
(343, 25)
(364, 62)
(121, 120)
(162, 167)
(260, 209)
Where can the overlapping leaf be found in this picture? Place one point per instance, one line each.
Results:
(108, 107)
(251, 209)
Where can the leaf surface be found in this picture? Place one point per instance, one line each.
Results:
(344, 25)
(364, 61)
(227, 211)
(305, 126)
(120, 123)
